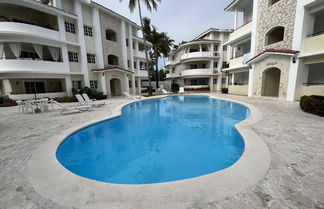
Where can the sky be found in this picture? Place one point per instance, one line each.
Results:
(183, 20)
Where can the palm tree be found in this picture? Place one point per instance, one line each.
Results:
(150, 4)
(161, 44)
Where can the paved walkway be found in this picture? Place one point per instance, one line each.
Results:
(295, 139)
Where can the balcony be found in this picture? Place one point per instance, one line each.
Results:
(196, 72)
(15, 28)
(32, 66)
(239, 61)
(199, 55)
(313, 44)
(242, 32)
(141, 73)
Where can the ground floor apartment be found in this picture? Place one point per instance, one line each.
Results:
(112, 82)
(278, 75)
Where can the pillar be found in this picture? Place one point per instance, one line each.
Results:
(68, 85)
(133, 84)
(80, 35)
(139, 86)
(236, 19)
(126, 86)
(6, 87)
(250, 87)
(211, 83)
(98, 48)
(123, 44)
(219, 82)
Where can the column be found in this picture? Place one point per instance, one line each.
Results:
(219, 82)
(133, 84)
(250, 87)
(83, 52)
(126, 86)
(98, 47)
(6, 87)
(211, 83)
(233, 75)
(130, 35)
(123, 44)
(68, 85)
(139, 86)
(58, 4)
(236, 19)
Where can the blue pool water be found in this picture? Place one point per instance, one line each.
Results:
(158, 140)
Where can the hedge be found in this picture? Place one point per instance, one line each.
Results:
(313, 104)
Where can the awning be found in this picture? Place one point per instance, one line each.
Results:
(268, 52)
(112, 68)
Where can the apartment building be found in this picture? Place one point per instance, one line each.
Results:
(197, 64)
(52, 48)
(277, 48)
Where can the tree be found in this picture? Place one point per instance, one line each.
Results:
(150, 4)
(161, 44)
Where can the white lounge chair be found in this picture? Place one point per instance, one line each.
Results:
(81, 100)
(181, 90)
(131, 96)
(92, 102)
(165, 92)
(21, 106)
(71, 109)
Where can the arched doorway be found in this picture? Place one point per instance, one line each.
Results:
(271, 82)
(115, 87)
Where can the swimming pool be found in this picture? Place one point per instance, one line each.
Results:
(158, 140)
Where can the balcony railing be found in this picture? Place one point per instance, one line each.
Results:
(241, 31)
(197, 72)
(199, 55)
(314, 44)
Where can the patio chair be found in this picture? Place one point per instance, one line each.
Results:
(131, 96)
(165, 92)
(30, 105)
(92, 102)
(21, 106)
(71, 109)
(181, 90)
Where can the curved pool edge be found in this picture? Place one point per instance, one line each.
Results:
(55, 182)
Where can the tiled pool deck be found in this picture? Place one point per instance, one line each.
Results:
(295, 139)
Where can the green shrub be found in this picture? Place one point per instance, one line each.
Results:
(66, 99)
(313, 104)
(93, 94)
(224, 90)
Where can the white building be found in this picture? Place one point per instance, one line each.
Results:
(197, 64)
(67, 44)
(278, 50)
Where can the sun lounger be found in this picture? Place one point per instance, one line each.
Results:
(70, 109)
(181, 90)
(131, 96)
(92, 102)
(165, 92)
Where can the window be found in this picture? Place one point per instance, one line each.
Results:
(215, 64)
(214, 81)
(94, 85)
(215, 48)
(34, 87)
(77, 85)
(133, 45)
(91, 58)
(223, 80)
(127, 44)
(128, 63)
(69, 27)
(193, 82)
(193, 66)
(271, 2)
(275, 35)
(111, 35)
(135, 65)
(112, 60)
(142, 66)
(87, 30)
(141, 47)
(225, 48)
(73, 57)
(173, 69)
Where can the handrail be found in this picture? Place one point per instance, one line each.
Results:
(243, 25)
(312, 84)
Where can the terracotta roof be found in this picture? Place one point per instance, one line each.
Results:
(281, 51)
(111, 68)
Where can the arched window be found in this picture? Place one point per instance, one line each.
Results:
(271, 2)
(112, 60)
(111, 35)
(275, 35)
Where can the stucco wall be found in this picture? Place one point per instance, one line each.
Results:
(281, 13)
(238, 90)
(312, 90)
(273, 61)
